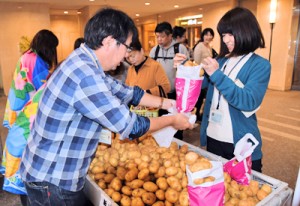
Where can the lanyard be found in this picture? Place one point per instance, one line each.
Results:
(219, 97)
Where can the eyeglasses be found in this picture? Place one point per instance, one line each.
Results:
(128, 48)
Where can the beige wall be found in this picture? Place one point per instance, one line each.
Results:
(14, 23)
(66, 28)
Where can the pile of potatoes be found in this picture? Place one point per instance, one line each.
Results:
(244, 195)
(141, 173)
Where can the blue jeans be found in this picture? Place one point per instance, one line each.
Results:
(47, 194)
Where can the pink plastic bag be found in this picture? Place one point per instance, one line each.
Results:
(207, 196)
(208, 193)
(188, 87)
(239, 167)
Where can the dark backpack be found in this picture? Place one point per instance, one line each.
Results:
(176, 50)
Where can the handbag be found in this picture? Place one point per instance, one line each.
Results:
(163, 95)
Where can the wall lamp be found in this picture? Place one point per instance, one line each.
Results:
(272, 20)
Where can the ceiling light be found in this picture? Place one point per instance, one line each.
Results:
(176, 6)
(137, 14)
(147, 3)
(92, 0)
(78, 12)
(66, 12)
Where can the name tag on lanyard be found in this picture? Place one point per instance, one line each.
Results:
(216, 116)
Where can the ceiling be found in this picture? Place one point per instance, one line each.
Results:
(131, 7)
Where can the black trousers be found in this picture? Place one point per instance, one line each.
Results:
(226, 150)
(179, 133)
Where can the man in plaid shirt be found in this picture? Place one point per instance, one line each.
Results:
(78, 101)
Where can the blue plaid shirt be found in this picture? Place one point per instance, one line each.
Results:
(78, 101)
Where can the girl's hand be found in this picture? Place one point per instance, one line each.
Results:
(178, 59)
(210, 65)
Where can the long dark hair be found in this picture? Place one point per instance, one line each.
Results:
(44, 43)
(243, 25)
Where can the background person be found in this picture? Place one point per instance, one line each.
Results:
(164, 53)
(145, 72)
(237, 84)
(202, 50)
(78, 101)
(179, 34)
(32, 71)
(78, 42)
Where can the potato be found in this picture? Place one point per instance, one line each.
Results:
(116, 196)
(99, 176)
(254, 186)
(182, 165)
(209, 179)
(109, 191)
(154, 166)
(108, 178)
(126, 190)
(102, 184)
(143, 173)
(149, 198)
(143, 165)
(137, 201)
(266, 188)
(171, 195)
(184, 181)
(198, 181)
(150, 186)
(132, 154)
(200, 165)
(121, 172)
(166, 155)
(110, 170)
(174, 183)
(138, 192)
(167, 163)
(97, 169)
(145, 158)
(184, 149)
(170, 171)
(137, 183)
(261, 194)
(116, 184)
(227, 177)
(131, 174)
(159, 203)
(162, 183)
(160, 194)
(188, 64)
(184, 198)
(125, 201)
(191, 157)
(161, 172)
